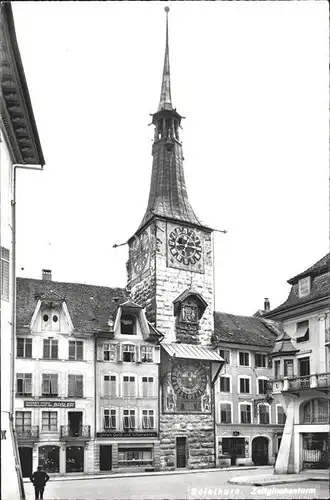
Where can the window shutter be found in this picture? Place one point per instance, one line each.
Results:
(119, 353)
(70, 385)
(80, 386)
(71, 349)
(157, 354)
(28, 384)
(99, 353)
(54, 384)
(137, 354)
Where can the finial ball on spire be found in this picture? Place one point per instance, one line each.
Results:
(167, 9)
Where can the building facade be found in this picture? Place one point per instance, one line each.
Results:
(127, 413)
(301, 370)
(19, 148)
(249, 422)
(55, 386)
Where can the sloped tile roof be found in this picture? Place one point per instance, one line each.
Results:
(243, 330)
(89, 306)
(320, 267)
(320, 287)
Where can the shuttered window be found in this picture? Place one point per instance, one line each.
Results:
(24, 384)
(75, 386)
(110, 385)
(147, 387)
(4, 273)
(49, 384)
(129, 386)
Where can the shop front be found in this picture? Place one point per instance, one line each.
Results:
(119, 451)
(315, 451)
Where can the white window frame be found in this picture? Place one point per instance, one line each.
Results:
(238, 360)
(128, 374)
(261, 377)
(23, 413)
(83, 384)
(51, 341)
(230, 354)
(109, 409)
(153, 386)
(293, 367)
(239, 384)
(75, 350)
(129, 408)
(304, 285)
(230, 383)
(231, 411)
(152, 353)
(24, 347)
(131, 344)
(104, 350)
(110, 374)
(49, 372)
(269, 413)
(25, 392)
(261, 354)
(148, 417)
(240, 411)
(49, 410)
(276, 413)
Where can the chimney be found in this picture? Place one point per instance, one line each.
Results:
(47, 274)
(266, 304)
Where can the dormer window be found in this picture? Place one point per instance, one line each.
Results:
(304, 286)
(128, 324)
(50, 320)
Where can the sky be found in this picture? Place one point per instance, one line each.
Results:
(251, 78)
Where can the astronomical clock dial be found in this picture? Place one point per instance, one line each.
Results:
(185, 246)
(140, 252)
(189, 380)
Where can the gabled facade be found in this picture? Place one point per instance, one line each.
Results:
(301, 369)
(19, 144)
(127, 412)
(249, 421)
(55, 386)
(170, 273)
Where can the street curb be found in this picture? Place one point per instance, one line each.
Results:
(142, 474)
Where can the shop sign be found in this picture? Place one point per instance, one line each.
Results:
(125, 434)
(49, 404)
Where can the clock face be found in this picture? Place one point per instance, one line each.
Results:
(185, 245)
(189, 380)
(140, 252)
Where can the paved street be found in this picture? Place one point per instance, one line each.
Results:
(209, 485)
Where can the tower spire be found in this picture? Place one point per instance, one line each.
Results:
(165, 94)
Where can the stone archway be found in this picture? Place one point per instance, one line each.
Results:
(260, 445)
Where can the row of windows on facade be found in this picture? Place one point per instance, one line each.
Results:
(128, 353)
(286, 367)
(244, 385)
(129, 418)
(245, 414)
(244, 358)
(125, 385)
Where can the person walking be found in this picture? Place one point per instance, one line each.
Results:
(39, 480)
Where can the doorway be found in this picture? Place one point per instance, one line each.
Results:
(75, 423)
(25, 456)
(260, 451)
(181, 452)
(105, 457)
(234, 447)
(75, 459)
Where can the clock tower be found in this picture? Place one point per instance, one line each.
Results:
(170, 273)
(171, 251)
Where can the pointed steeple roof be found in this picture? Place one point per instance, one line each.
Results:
(165, 94)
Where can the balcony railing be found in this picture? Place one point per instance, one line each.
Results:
(83, 432)
(315, 381)
(299, 383)
(316, 419)
(27, 433)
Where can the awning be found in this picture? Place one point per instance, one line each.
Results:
(302, 329)
(191, 351)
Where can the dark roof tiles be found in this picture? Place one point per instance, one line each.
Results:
(89, 306)
(243, 330)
